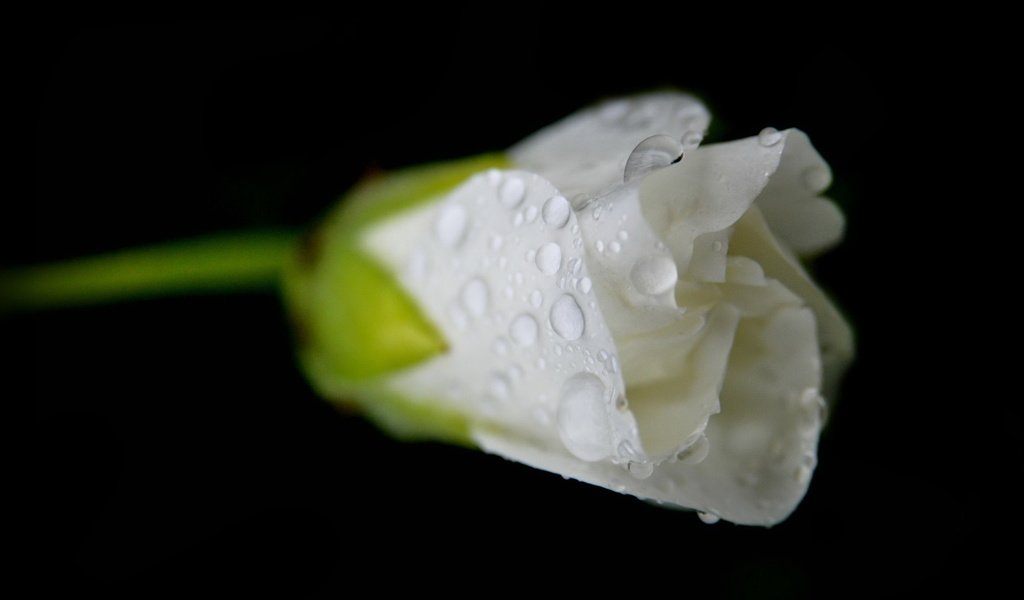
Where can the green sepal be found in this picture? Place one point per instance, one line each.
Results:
(355, 325)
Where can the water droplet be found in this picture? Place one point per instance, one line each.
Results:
(475, 297)
(585, 285)
(567, 318)
(499, 387)
(536, 298)
(596, 213)
(816, 179)
(655, 274)
(615, 247)
(599, 246)
(573, 266)
(623, 235)
(556, 211)
(530, 255)
(496, 243)
(768, 137)
(602, 355)
(716, 246)
(640, 470)
(450, 227)
(501, 346)
(558, 350)
(625, 450)
(549, 258)
(541, 363)
(709, 518)
(691, 139)
(518, 278)
(523, 330)
(621, 404)
(804, 474)
(531, 213)
(518, 219)
(696, 452)
(656, 152)
(582, 420)
(512, 192)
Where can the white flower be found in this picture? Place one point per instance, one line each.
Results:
(616, 305)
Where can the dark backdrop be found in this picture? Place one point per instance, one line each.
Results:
(174, 448)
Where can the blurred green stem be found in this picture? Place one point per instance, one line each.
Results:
(220, 263)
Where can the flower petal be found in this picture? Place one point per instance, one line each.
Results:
(507, 283)
(804, 221)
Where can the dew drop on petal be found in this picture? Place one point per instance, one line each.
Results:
(500, 387)
(655, 152)
(585, 285)
(567, 318)
(512, 192)
(556, 211)
(709, 518)
(531, 214)
(691, 139)
(536, 298)
(816, 179)
(582, 419)
(523, 330)
(450, 227)
(768, 137)
(640, 470)
(653, 275)
(475, 297)
(549, 258)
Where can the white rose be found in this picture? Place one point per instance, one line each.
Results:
(595, 306)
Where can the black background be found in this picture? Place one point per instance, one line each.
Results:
(174, 448)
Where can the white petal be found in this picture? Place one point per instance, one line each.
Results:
(753, 238)
(586, 153)
(530, 352)
(804, 221)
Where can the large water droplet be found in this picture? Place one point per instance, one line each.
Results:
(556, 211)
(567, 318)
(475, 297)
(450, 227)
(512, 192)
(549, 258)
(656, 152)
(523, 330)
(582, 418)
(769, 136)
(653, 275)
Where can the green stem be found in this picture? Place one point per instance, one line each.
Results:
(220, 263)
